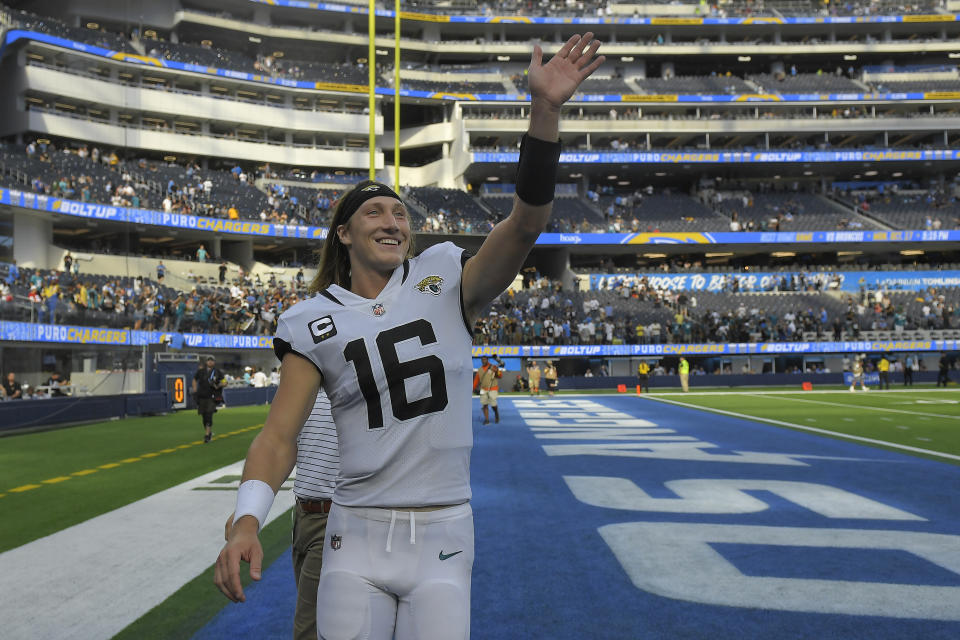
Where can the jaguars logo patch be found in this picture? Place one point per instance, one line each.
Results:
(430, 284)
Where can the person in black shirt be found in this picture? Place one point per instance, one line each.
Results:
(207, 382)
(11, 388)
(223, 272)
(54, 382)
(943, 375)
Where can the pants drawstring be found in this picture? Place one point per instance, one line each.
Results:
(393, 521)
(413, 529)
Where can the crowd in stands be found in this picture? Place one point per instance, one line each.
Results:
(269, 63)
(643, 314)
(631, 311)
(245, 306)
(930, 209)
(85, 173)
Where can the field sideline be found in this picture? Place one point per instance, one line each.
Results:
(55, 479)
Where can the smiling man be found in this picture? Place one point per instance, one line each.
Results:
(388, 337)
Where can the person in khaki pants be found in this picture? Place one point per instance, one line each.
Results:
(684, 374)
(317, 464)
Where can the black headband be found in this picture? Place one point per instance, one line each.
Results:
(360, 194)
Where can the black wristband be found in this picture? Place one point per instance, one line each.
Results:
(537, 170)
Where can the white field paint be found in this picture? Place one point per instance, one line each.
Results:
(93, 579)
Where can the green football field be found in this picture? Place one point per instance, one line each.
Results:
(923, 421)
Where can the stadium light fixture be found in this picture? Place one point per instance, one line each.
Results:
(278, 54)
(611, 177)
(626, 58)
(93, 25)
(954, 55)
(912, 252)
(744, 58)
(654, 255)
(576, 175)
(493, 179)
(850, 57)
(722, 254)
(254, 39)
(382, 52)
(897, 174)
(660, 174)
(782, 254)
(623, 183)
(808, 173)
(849, 253)
(869, 173)
(503, 58)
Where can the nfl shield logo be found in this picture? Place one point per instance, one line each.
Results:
(378, 310)
(335, 542)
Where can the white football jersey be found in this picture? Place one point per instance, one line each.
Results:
(398, 372)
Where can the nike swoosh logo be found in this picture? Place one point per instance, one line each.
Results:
(446, 556)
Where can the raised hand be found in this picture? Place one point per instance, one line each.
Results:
(556, 81)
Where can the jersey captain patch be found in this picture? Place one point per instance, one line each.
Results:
(322, 329)
(430, 284)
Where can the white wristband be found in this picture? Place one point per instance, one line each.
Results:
(254, 498)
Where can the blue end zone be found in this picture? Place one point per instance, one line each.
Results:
(550, 565)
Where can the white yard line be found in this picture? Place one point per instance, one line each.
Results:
(91, 580)
(794, 425)
(866, 408)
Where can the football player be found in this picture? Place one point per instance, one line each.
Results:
(389, 337)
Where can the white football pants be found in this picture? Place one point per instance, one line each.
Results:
(402, 575)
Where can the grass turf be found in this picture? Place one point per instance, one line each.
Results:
(197, 602)
(54, 479)
(926, 420)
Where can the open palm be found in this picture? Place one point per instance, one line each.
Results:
(557, 80)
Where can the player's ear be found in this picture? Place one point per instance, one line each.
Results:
(343, 233)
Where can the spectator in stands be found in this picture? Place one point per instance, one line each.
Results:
(223, 272)
(11, 388)
(202, 254)
(161, 271)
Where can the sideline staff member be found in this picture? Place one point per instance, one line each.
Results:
(487, 380)
(643, 376)
(684, 370)
(207, 382)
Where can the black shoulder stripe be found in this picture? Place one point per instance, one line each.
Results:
(281, 348)
(406, 271)
(329, 296)
(464, 256)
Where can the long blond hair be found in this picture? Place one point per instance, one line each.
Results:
(333, 264)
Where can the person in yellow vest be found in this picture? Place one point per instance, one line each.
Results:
(884, 368)
(550, 376)
(684, 369)
(533, 374)
(643, 376)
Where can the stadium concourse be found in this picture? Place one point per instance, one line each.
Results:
(767, 189)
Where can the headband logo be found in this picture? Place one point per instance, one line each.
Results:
(372, 187)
